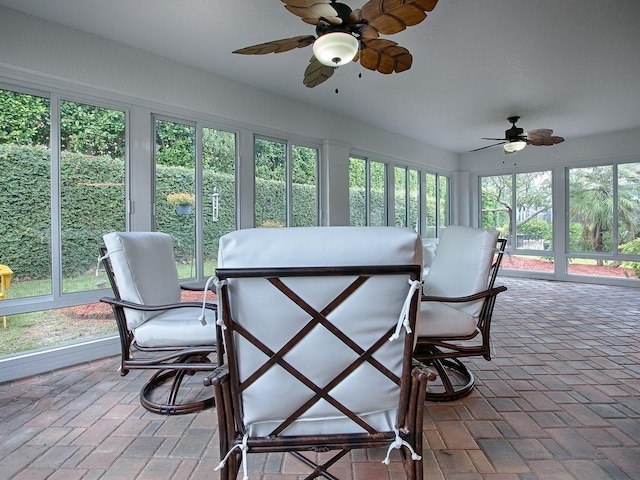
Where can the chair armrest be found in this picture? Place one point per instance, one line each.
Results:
(469, 298)
(218, 376)
(155, 308)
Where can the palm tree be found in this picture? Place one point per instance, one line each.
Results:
(592, 200)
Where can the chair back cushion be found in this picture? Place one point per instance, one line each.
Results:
(364, 318)
(461, 265)
(145, 271)
(429, 246)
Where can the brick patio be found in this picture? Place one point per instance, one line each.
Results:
(560, 400)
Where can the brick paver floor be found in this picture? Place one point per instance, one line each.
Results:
(559, 401)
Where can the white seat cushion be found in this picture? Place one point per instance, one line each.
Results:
(442, 320)
(177, 328)
(370, 311)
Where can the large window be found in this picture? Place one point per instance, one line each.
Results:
(407, 198)
(604, 220)
(219, 214)
(600, 234)
(286, 189)
(175, 165)
(189, 159)
(25, 193)
(92, 187)
(420, 199)
(63, 188)
(367, 192)
(520, 206)
(436, 205)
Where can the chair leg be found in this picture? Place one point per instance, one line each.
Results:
(455, 380)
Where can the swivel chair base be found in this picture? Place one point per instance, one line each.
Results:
(173, 405)
(454, 379)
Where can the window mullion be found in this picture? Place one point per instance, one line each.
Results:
(56, 223)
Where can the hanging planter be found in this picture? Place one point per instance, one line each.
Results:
(183, 209)
(182, 201)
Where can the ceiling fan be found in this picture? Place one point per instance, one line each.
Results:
(515, 138)
(344, 35)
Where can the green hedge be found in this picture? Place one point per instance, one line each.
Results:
(92, 203)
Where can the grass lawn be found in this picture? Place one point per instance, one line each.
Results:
(34, 330)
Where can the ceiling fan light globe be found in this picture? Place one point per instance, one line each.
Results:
(514, 146)
(335, 49)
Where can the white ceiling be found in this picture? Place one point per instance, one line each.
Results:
(569, 65)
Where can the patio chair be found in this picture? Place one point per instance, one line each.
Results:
(318, 328)
(157, 330)
(457, 305)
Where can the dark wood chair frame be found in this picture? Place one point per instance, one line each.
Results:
(172, 364)
(443, 353)
(228, 389)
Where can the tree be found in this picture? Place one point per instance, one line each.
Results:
(591, 204)
(24, 119)
(532, 198)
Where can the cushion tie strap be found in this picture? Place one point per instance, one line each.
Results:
(244, 448)
(100, 259)
(403, 321)
(399, 443)
(219, 284)
(203, 317)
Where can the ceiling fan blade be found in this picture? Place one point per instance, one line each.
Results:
(385, 56)
(367, 32)
(546, 141)
(489, 146)
(485, 138)
(543, 136)
(277, 46)
(393, 16)
(316, 73)
(540, 132)
(310, 11)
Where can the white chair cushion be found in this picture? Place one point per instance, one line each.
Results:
(319, 246)
(429, 246)
(461, 265)
(178, 327)
(272, 318)
(442, 320)
(145, 271)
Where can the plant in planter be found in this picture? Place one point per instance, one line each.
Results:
(182, 201)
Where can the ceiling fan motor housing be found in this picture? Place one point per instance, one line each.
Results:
(514, 133)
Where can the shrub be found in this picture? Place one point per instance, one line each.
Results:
(632, 247)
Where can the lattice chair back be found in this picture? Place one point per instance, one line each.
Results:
(318, 327)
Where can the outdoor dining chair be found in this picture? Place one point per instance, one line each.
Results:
(158, 331)
(318, 325)
(457, 307)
